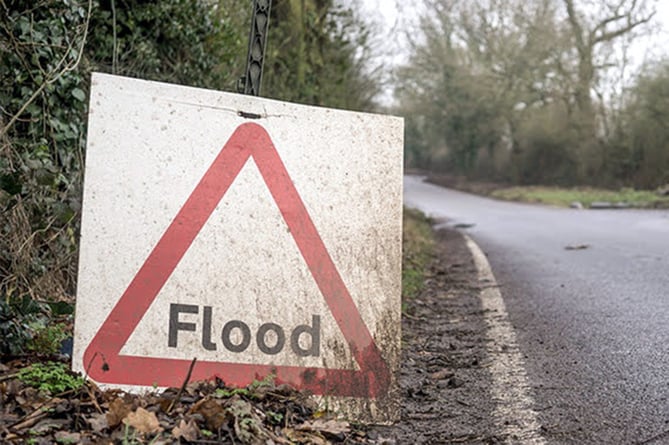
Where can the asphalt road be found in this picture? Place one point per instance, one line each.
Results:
(587, 292)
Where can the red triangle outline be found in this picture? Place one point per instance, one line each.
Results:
(102, 360)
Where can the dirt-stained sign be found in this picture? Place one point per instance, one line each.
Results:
(261, 237)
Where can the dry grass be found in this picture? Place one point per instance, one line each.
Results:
(417, 246)
(34, 263)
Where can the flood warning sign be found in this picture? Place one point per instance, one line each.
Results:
(260, 247)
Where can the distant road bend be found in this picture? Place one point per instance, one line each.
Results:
(587, 292)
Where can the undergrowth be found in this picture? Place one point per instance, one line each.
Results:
(50, 377)
(417, 247)
(28, 325)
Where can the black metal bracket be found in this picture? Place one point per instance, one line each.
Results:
(250, 83)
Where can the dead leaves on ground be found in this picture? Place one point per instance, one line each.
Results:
(143, 421)
(206, 412)
(189, 431)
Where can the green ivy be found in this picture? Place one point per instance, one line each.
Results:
(48, 48)
(42, 150)
(44, 84)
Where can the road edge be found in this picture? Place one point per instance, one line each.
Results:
(514, 413)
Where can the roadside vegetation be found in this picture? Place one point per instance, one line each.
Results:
(586, 196)
(417, 251)
(317, 53)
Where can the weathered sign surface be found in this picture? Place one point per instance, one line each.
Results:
(260, 237)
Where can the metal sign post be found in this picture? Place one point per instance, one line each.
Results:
(250, 82)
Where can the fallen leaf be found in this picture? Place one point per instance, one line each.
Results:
(143, 421)
(98, 422)
(189, 431)
(66, 437)
(12, 388)
(304, 437)
(61, 405)
(118, 410)
(213, 413)
(165, 403)
(248, 426)
(328, 427)
(441, 375)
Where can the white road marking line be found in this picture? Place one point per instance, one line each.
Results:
(514, 413)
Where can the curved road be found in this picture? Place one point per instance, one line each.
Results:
(587, 292)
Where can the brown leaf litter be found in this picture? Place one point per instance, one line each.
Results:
(204, 412)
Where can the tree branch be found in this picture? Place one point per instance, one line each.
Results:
(575, 26)
(608, 36)
(602, 25)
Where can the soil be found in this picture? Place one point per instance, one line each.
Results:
(444, 375)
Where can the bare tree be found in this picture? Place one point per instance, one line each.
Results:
(520, 89)
(612, 20)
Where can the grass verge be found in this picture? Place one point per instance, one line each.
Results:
(564, 197)
(417, 247)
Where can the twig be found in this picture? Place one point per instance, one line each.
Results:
(183, 386)
(83, 43)
(411, 317)
(18, 114)
(34, 234)
(89, 384)
(8, 376)
(32, 418)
